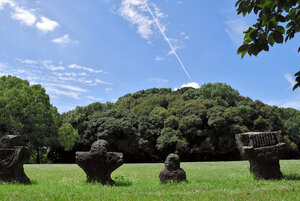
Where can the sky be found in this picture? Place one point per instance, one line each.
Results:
(85, 51)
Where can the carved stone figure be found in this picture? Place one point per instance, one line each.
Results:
(99, 163)
(12, 158)
(172, 171)
(263, 150)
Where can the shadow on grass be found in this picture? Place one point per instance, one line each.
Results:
(32, 182)
(294, 177)
(122, 181)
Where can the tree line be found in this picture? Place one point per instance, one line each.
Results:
(197, 124)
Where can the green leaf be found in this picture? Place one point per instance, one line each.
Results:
(253, 35)
(265, 3)
(243, 48)
(297, 74)
(278, 37)
(271, 39)
(280, 18)
(280, 29)
(296, 86)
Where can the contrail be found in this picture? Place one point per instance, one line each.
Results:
(167, 39)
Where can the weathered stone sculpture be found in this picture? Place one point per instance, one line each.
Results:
(98, 163)
(172, 171)
(263, 150)
(12, 158)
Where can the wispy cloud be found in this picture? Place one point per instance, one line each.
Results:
(56, 77)
(63, 40)
(50, 66)
(137, 13)
(75, 66)
(290, 79)
(92, 98)
(56, 91)
(102, 82)
(235, 29)
(159, 58)
(158, 80)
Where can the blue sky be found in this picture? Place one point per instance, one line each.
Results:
(98, 50)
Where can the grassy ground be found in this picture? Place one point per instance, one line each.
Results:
(207, 181)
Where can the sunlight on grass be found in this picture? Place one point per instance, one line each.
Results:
(206, 181)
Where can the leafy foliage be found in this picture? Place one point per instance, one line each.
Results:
(67, 136)
(26, 110)
(277, 21)
(197, 124)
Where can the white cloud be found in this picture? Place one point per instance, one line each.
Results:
(69, 87)
(25, 16)
(136, 13)
(290, 79)
(191, 84)
(75, 66)
(146, 16)
(64, 39)
(46, 24)
(235, 29)
(4, 2)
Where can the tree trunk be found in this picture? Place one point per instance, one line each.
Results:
(38, 156)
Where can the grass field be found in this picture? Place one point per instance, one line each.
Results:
(206, 181)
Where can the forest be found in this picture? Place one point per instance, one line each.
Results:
(197, 124)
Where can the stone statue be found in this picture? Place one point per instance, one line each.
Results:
(99, 163)
(263, 150)
(172, 171)
(12, 158)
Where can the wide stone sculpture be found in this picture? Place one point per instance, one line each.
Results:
(99, 163)
(12, 158)
(263, 150)
(172, 171)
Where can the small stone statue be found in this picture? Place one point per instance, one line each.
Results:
(172, 171)
(12, 158)
(98, 163)
(263, 150)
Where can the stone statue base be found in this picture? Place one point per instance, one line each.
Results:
(172, 171)
(263, 150)
(98, 164)
(12, 159)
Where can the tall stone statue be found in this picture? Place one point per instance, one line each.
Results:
(263, 150)
(12, 158)
(99, 163)
(172, 171)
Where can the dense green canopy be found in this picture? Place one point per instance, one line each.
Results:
(197, 124)
(26, 110)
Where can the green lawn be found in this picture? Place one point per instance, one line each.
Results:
(206, 181)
